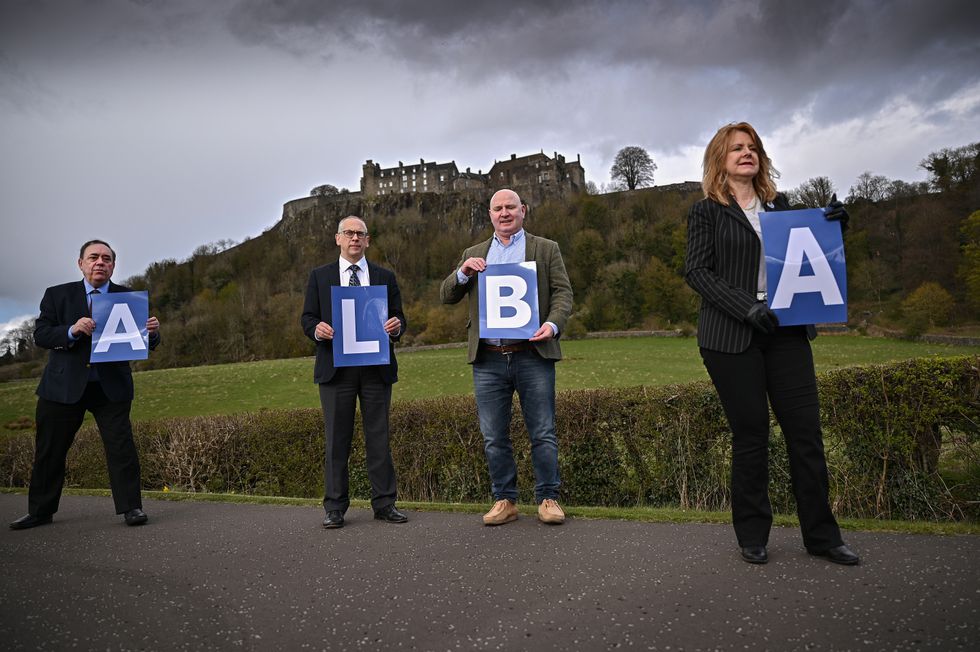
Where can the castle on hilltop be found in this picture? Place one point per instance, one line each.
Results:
(535, 177)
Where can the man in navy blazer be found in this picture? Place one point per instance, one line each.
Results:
(341, 387)
(71, 385)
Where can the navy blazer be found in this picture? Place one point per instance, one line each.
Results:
(722, 265)
(67, 371)
(317, 307)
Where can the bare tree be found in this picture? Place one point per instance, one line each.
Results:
(899, 189)
(952, 166)
(814, 192)
(869, 187)
(633, 168)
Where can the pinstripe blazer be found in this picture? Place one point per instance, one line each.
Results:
(722, 266)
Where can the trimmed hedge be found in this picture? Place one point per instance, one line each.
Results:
(888, 431)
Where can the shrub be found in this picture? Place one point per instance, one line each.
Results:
(929, 305)
(886, 429)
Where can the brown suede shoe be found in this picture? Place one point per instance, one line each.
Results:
(503, 511)
(550, 512)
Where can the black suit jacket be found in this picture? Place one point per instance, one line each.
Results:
(722, 266)
(317, 307)
(66, 374)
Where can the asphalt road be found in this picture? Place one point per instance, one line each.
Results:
(252, 577)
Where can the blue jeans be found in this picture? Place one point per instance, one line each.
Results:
(496, 376)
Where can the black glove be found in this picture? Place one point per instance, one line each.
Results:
(835, 211)
(761, 318)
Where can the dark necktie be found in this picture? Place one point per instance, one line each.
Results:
(93, 371)
(354, 281)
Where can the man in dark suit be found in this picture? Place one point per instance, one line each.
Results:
(340, 388)
(526, 366)
(71, 385)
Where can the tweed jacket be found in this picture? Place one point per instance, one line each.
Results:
(554, 292)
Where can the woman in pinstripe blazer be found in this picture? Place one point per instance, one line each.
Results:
(753, 362)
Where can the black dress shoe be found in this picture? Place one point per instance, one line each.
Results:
(390, 514)
(334, 518)
(839, 555)
(135, 517)
(29, 521)
(755, 554)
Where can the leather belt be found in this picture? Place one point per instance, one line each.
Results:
(507, 348)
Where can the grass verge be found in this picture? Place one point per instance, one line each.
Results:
(639, 514)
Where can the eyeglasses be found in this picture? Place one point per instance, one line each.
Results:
(347, 233)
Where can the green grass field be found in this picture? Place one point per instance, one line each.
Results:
(230, 388)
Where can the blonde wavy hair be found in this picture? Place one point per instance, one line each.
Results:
(715, 181)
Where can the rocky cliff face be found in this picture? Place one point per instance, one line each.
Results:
(314, 216)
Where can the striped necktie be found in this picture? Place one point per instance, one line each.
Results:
(354, 281)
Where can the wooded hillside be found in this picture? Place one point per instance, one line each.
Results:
(624, 252)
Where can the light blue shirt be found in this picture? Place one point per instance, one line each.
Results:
(88, 290)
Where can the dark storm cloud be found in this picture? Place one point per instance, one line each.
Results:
(845, 57)
(221, 111)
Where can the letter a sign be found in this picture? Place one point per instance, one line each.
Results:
(120, 326)
(806, 275)
(509, 301)
(359, 316)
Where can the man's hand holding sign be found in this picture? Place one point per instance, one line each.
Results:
(508, 312)
(510, 308)
(115, 335)
(361, 336)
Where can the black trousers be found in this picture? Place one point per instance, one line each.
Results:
(778, 370)
(57, 425)
(338, 399)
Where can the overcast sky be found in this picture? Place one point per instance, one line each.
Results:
(161, 126)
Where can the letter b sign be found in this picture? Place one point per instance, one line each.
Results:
(509, 301)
